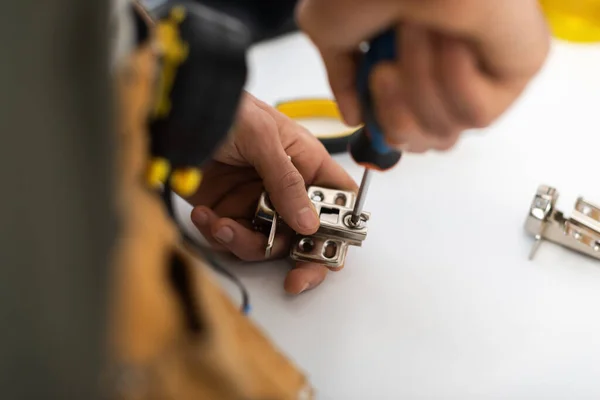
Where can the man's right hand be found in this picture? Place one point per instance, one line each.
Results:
(461, 63)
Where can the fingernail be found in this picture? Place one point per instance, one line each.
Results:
(224, 234)
(305, 287)
(200, 218)
(307, 218)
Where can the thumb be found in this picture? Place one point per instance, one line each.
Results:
(287, 191)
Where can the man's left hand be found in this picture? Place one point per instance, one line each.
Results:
(254, 159)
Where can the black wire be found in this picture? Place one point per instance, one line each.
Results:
(204, 252)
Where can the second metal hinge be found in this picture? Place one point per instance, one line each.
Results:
(579, 232)
(329, 245)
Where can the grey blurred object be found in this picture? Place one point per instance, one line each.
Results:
(57, 219)
(269, 19)
(122, 31)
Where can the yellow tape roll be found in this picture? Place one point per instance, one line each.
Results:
(313, 108)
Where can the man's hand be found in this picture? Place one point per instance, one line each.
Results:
(461, 63)
(255, 158)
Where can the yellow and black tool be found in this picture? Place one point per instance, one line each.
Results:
(200, 82)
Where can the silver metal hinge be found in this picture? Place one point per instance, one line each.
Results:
(579, 232)
(329, 245)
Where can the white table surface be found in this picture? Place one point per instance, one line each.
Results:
(441, 301)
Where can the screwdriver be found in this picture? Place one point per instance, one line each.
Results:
(368, 147)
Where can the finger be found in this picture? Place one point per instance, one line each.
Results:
(331, 174)
(341, 71)
(219, 180)
(240, 201)
(445, 143)
(456, 70)
(203, 218)
(287, 190)
(246, 244)
(509, 51)
(304, 276)
(398, 124)
(417, 54)
(419, 144)
(391, 109)
(422, 143)
(308, 154)
(473, 98)
(332, 26)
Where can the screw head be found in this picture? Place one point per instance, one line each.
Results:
(317, 196)
(359, 225)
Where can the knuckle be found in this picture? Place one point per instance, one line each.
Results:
(447, 144)
(480, 118)
(440, 130)
(436, 128)
(473, 115)
(396, 141)
(291, 180)
(418, 149)
(314, 16)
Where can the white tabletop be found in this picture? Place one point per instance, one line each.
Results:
(441, 301)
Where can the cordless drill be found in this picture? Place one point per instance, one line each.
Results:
(203, 71)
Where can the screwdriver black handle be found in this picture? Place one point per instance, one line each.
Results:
(368, 147)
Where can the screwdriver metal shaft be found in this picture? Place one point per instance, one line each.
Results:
(361, 197)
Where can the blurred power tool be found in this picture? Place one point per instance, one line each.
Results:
(201, 80)
(368, 147)
(203, 44)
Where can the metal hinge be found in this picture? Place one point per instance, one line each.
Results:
(579, 232)
(329, 245)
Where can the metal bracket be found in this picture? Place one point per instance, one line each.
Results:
(329, 245)
(579, 232)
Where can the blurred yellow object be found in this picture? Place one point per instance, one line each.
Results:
(185, 181)
(157, 173)
(309, 108)
(573, 20)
